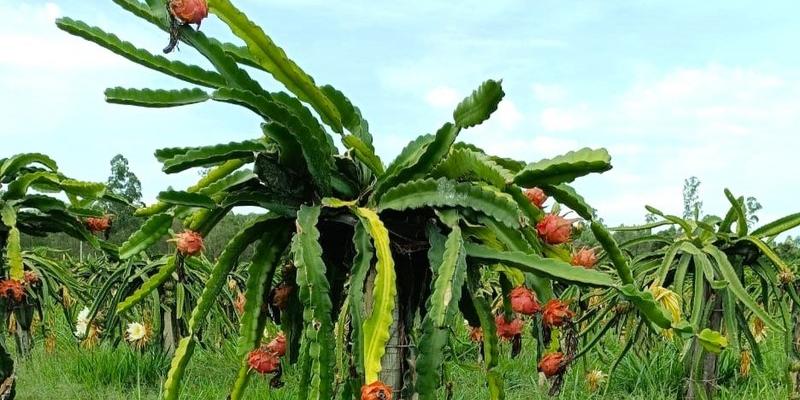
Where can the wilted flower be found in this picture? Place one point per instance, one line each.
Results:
(66, 299)
(280, 297)
(536, 196)
(744, 364)
(556, 313)
(189, 11)
(786, 276)
(595, 378)
(584, 257)
(554, 229)
(50, 343)
(508, 330)
(239, 303)
(622, 307)
(12, 324)
(524, 301)
(759, 329)
(138, 334)
(263, 361)
(278, 345)
(32, 279)
(476, 334)
(92, 337)
(190, 243)
(669, 300)
(596, 298)
(12, 290)
(376, 391)
(552, 364)
(100, 224)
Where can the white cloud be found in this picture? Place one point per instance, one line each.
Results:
(32, 41)
(548, 146)
(526, 149)
(729, 126)
(442, 97)
(52, 11)
(623, 177)
(549, 93)
(507, 115)
(714, 101)
(625, 149)
(555, 119)
(628, 206)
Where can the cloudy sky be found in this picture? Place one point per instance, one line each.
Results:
(672, 89)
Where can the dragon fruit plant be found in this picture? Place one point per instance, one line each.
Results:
(165, 312)
(721, 275)
(25, 209)
(364, 266)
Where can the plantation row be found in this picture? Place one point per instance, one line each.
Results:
(360, 270)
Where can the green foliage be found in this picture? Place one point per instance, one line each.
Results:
(164, 273)
(565, 168)
(273, 59)
(40, 215)
(544, 267)
(187, 199)
(251, 326)
(777, 227)
(468, 164)
(379, 319)
(315, 297)
(447, 193)
(211, 155)
(155, 98)
(177, 69)
(567, 196)
(361, 257)
(720, 278)
(449, 280)
(479, 106)
(153, 230)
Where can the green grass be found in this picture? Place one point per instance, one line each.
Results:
(105, 373)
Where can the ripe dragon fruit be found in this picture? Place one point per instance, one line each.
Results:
(536, 196)
(585, 258)
(554, 229)
(189, 243)
(524, 301)
(278, 345)
(96, 225)
(264, 361)
(12, 290)
(189, 11)
(552, 364)
(556, 313)
(508, 330)
(376, 391)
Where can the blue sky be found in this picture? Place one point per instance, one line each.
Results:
(672, 89)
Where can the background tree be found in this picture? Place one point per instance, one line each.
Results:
(692, 206)
(124, 183)
(752, 206)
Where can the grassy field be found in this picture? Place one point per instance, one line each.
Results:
(110, 374)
